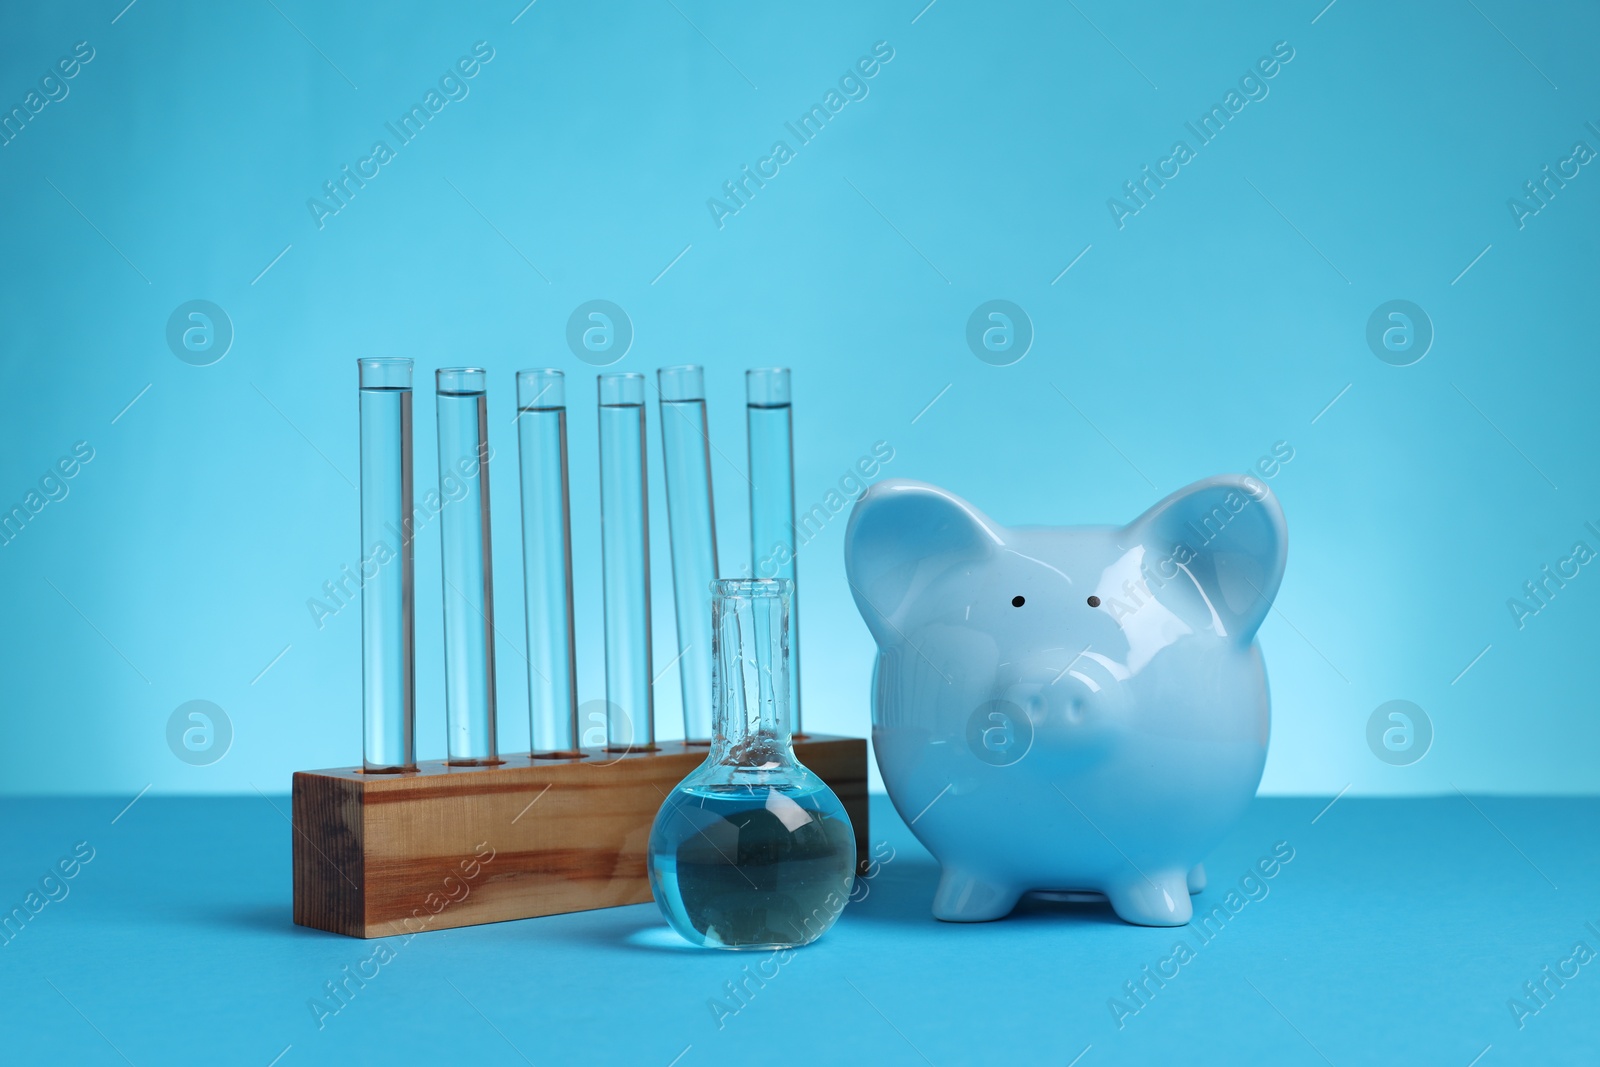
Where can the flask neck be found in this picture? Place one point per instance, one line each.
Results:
(750, 676)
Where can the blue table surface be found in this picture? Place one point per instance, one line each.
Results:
(1399, 932)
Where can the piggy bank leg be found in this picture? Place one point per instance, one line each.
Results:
(1197, 878)
(1153, 898)
(963, 897)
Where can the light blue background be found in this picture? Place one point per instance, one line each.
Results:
(1189, 342)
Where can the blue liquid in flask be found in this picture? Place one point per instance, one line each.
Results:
(751, 850)
(752, 866)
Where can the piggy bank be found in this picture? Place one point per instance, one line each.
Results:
(1075, 709)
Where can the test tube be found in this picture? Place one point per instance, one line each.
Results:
(772, 530)
(686, 456)
(625, 563)
(388, 623)
(547, 563)
(468, 582)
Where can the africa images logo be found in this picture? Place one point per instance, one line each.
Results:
(453, 86)
(1206, 128)
(852, 86)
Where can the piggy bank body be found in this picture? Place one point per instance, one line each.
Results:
(1070, 709)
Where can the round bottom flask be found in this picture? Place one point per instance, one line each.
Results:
(752, 850)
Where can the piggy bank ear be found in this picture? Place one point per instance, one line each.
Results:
(1214, 553)
(903, 535)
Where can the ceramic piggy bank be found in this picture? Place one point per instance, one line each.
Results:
(1069, 708)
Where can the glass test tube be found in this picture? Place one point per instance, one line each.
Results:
(468, 582)
(686, 456)
(388, 630)
(625, 563)
(772, 529)
(547, 563)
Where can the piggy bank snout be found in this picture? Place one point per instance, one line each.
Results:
(1065, 703)
(1069, 696)
(1057, 678)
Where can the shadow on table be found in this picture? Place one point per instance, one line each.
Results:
(634, 928)
(275, 919)
(902, 892)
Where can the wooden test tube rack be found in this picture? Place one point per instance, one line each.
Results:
(377, 855)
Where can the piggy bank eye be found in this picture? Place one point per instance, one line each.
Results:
(1094, 602)
(1017, 601)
